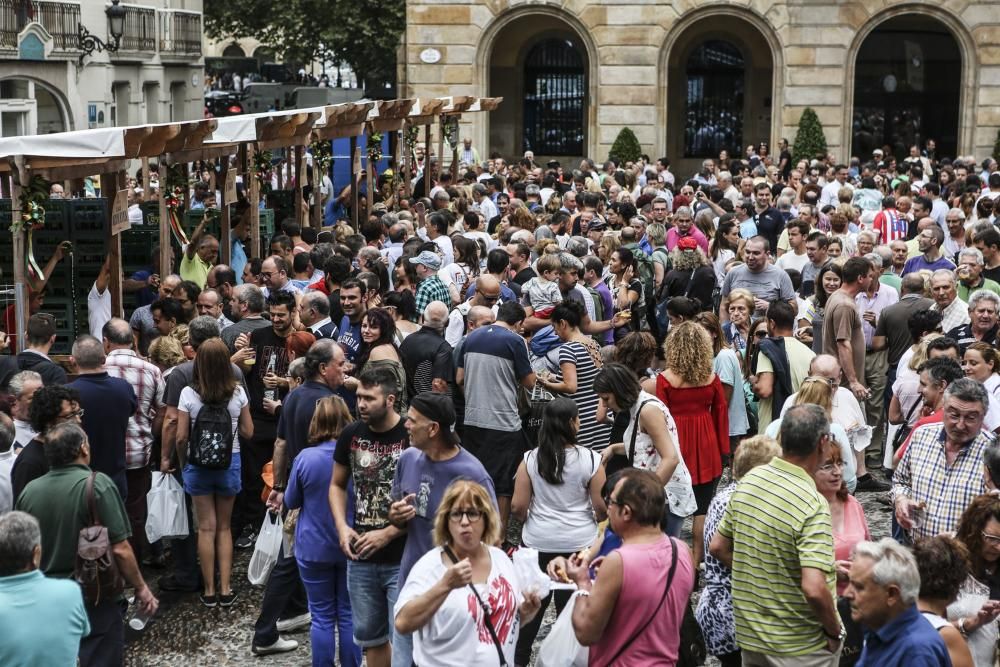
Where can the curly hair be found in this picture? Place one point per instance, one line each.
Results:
(46, 406)
(943, 563)
(166, 352)
(688, 260)
(636, 350)
(688, 352)
(970, 527)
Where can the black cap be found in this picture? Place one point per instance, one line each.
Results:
(437, 408)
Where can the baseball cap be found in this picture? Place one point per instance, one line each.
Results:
(437, 408)
(428, 259)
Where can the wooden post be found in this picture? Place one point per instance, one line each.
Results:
(317, 194)
(427, 160)
(440, 161)
(396, 166)
(281, 173)
(297, 160)
(407, 162)
(253, 188)
(370, 173)
(19, 179)
(165, 235)
(355, 165)
(145, 178)
(110, 185)
(225, 231)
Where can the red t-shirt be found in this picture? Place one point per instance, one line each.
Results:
(933, 418)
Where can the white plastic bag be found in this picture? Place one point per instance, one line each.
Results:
(166, 515)
(561, 648)
(265, 552)
(529, 575)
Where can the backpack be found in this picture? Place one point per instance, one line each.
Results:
(644, 272)
(595, 296)
(210, 444)
(96, 569)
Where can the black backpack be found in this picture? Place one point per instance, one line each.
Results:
(211, 442)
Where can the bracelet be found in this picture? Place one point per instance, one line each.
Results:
(583, 593)
(961, 627)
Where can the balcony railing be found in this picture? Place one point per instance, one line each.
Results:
(60, 19)
(181, 32)
(140, 29)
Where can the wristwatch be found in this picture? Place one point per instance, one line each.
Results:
(841, 637)
(278, 488)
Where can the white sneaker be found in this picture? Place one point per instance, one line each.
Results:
(295, 623)
(280, 646)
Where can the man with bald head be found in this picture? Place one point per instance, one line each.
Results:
(210, 303)
(199, 256)
(426, 354)
(944, 291)
(147, 383)
(487, 295)
(143, 327)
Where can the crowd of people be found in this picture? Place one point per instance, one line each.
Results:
(567, 360)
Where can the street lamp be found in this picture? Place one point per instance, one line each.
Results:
(116, 28)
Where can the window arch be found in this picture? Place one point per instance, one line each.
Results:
(714, 103)
(554, 99)
(234, 51)
(907, 87)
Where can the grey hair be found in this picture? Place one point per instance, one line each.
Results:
(389, 219)
(802, 428)
(569, 262)
(577, 246)
(956, 211)
(88, 352)
(885, 254)
(252, 296)
(875, 258)
(435, 315)
(685, 210)
(16, 384)
(892, 564)
(317, 300)
(968, 390)
(974, 253)
(202, 328)
(944, 273)
(297, 369)
(983, 295)
(63, 442)
(19, 535)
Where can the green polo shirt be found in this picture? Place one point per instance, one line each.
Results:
(195, 269)
(964, 291)
(58, 500)
(779, 524)
(892, 280)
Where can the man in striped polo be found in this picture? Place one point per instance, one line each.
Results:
(777, 537)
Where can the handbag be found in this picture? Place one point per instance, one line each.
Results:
(618, 462)
(904, 430)
(561, 648)
(96, 569)
(486, 612)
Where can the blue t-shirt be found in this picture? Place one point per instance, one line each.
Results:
(43, 620)
(428, 480)
(918, 263)
(495, 359)
(296, 415)
(107, 404)
(238, 260)
(146, 295)
(350, 341)
(316, 538)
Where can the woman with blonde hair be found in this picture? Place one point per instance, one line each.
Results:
(740, 307)
(166, 353)
(321, 562)
(691, 390)
(818, 390)
(610, 242)
(463, 588)
(715, 606)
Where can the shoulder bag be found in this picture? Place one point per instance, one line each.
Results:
(96, 569)
(486, 612)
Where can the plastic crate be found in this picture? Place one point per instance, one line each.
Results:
(88, 216)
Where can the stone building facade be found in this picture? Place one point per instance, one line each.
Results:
(692, 76)
(156, 76)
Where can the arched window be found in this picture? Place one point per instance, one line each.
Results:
(554, 98)
(714, 112)
(234, 51)
(907, 82)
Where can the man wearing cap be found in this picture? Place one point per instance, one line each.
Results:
(431, 287)
(425, 470)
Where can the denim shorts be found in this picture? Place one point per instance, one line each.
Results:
(200, 481)
(374, 588)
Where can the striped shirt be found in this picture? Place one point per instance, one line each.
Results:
(593, 435)
(148, 384)
(779, 524)
(923, 475)
(891, 226)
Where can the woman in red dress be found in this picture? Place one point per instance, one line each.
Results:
(693, 392)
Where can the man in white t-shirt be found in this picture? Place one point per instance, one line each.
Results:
(831, 189)
(99, 300)
(796, 257)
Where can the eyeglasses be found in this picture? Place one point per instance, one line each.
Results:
(830, 467)
(78, 413)
(472, 515)
(993, 540)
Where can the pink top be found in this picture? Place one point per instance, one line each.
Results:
(673, 236)
(855, 529)
(643, 579)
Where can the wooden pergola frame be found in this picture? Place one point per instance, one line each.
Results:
(184, 142)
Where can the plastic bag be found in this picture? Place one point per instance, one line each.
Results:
(561, 648)
(265, 552)
(166, 514)
(528, 574)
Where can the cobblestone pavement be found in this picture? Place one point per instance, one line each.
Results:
(184, 629)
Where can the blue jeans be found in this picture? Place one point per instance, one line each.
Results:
(374, 588)
(673, 525)
(330, 606)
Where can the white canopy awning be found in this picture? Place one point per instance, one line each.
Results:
(98, 143)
